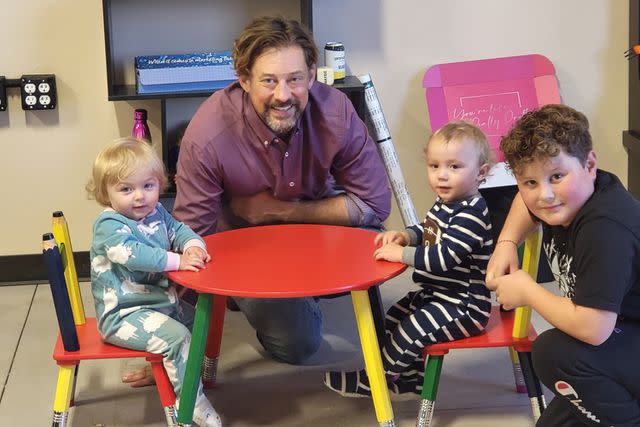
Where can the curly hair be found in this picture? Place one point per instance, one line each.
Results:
(269, 32)
(544, 133)
(459, 130)
(118, 161)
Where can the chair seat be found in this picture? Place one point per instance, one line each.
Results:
(498, 333)
(92, 347)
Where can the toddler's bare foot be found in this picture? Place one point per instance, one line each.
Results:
(140, 378)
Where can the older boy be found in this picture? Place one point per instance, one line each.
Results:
(591, 236)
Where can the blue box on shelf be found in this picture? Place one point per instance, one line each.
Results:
(184, 72)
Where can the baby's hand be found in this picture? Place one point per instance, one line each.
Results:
(389, 252)
(399, 237)
(198, 251)
(193, 259)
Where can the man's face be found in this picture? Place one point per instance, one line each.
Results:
(554, 189)
(278, 86)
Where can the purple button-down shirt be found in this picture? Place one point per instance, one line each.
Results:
(227, 151)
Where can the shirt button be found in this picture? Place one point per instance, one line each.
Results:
(266, 143)
(291, 184)
(286, 154)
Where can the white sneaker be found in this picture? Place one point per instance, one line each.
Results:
(204, 415)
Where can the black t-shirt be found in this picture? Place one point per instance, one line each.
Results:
(596, 260)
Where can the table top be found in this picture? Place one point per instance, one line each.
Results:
(290, 260)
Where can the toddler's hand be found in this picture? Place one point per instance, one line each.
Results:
(192, 260)
(399, 237)
(389, 252)
(199, 252)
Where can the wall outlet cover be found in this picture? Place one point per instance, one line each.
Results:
(38, 92)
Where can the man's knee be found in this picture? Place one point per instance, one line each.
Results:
(293, 349)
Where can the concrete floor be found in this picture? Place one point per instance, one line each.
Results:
(476, 386)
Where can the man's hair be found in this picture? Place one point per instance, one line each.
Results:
(118, 161)
(271, 32)
(544, 133)
(460, 130)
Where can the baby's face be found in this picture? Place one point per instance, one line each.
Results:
(454, 169)
(137, 195)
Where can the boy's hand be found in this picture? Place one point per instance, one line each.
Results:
(512, 290)
(399, 237)
(389, 252)
(198, 251)
(504, 260)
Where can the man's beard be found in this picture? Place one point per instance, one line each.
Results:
(281, 127)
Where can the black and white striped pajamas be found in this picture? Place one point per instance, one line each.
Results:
(450, 252)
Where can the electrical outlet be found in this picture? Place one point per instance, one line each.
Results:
(38, 92)
(3, 94)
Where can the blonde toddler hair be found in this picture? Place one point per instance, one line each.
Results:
(460, 130)
(118, 161)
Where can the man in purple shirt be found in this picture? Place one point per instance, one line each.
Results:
(277, 147)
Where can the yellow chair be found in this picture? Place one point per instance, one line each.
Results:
(78, 338)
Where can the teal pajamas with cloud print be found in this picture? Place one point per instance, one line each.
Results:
(135, 305)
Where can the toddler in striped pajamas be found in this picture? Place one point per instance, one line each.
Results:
(449, 252)
(135, 240)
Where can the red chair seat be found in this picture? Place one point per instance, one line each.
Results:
(498, 333)
(92, 347)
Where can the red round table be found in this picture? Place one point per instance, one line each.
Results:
(292, 260)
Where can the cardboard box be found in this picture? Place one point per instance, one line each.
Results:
(184, 72)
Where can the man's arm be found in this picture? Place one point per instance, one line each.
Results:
(359, 171)
(516, 227)
(199, 193)
(263, 208)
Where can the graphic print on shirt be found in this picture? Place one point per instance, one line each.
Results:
(560, 264)
(148, 230)
(431, 234)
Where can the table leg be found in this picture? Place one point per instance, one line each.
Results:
(372, 359)
(378, 313)
(214, 340)
(194, 362)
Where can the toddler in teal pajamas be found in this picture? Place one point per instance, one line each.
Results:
(135, 240)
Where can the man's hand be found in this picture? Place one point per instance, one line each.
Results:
(260, 208)
(389, 252)
(512, 290)
(399, 237)
(504, 260)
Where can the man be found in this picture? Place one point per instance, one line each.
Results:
(279, 147)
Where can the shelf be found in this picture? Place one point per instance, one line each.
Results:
(128, 92)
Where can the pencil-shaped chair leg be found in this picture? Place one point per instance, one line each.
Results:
(72, 402)
(63, 396)
(214, 342)
(165, 390)
(432, 369)
(534, 389)
(521, 387)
